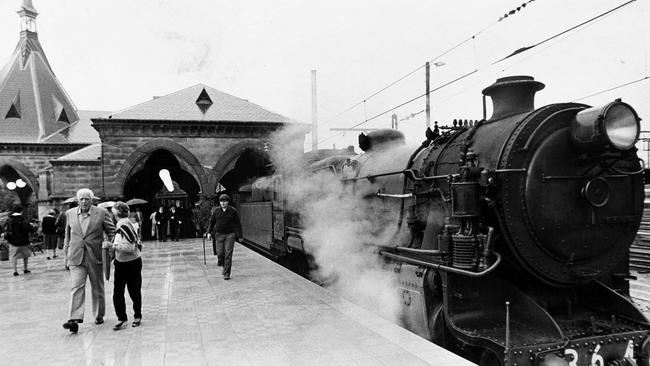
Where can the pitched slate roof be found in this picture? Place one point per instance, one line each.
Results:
(78, 132)
(182, 106)
(89, 153)
(30, 87)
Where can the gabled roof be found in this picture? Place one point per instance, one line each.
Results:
(43, 108)
(188, 105)
(89, 153)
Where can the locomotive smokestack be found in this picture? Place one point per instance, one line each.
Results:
(512, 95)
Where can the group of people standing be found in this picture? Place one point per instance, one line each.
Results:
(164, 222)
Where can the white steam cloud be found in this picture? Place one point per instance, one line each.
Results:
(339, 230)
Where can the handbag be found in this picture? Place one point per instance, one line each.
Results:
(59, 243)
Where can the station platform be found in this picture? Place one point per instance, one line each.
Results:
(265, 315)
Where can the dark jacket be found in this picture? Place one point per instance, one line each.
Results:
(161, 217)
(19, 230)
(174, 217)
(224, 222)
(49, 225)
(60, 225)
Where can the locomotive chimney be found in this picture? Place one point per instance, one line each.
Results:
(512, 95)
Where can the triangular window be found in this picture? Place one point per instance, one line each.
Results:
(63, 117)
(14, 110)
(203, 101)
(59, 111)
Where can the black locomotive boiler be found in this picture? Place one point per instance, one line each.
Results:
(512, 233)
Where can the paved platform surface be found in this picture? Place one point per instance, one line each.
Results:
(265, 315)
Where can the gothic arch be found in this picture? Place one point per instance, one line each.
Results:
(23, 171)
(230, 156)
(144, 151)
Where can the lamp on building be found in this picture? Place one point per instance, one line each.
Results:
(166, 179)
(19, 183)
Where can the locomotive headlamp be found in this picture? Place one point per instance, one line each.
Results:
(614, 125)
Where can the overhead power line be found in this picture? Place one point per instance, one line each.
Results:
(433, 60)
(524, 49)
(401, 105)
(613, 88)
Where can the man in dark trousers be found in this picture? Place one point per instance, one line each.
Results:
(225, 226)
(175, 223)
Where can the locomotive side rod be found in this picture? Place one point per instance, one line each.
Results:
(443, 267)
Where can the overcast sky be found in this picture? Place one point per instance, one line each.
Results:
(110, 55)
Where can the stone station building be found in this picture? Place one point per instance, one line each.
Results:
(208, 140)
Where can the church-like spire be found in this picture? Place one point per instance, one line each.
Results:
(28, 16)
(33, 102)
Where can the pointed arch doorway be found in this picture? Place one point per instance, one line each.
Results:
(147, 184)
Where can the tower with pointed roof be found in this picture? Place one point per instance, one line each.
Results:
(34, 107)
(38, 120)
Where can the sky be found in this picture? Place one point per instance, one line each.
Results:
(110, 55)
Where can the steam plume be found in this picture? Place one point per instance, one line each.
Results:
(339, 230)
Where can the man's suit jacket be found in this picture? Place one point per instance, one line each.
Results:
(76, 242)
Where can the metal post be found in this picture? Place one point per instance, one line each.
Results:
(314, 118)
(428, 91)
(204, 262)
(507, 348)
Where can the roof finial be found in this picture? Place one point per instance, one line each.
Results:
(28, 16)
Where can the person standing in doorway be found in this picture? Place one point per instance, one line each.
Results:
(175, 223)
(225, 226)
(84, 235)
(161, 224)
(152, 220)
(48, 227)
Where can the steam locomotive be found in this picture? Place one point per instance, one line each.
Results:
(511, 234)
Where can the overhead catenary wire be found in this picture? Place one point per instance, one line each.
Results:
(599, 16)
(473, 38)
(613, 88)
(401, 105)
(591, 21)
(451, 49)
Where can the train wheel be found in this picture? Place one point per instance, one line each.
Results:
(489, 358)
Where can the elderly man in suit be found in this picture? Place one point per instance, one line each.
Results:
(84, 234)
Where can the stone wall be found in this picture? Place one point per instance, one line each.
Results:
(69, 177)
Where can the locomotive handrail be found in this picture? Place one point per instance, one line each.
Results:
(419, 251)
(523, 170)
(373, 176)
(410, 173)
(443, 267)
(389, 195)
(571, 177)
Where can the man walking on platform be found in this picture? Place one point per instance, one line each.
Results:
(84, 233)
(225, 226)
